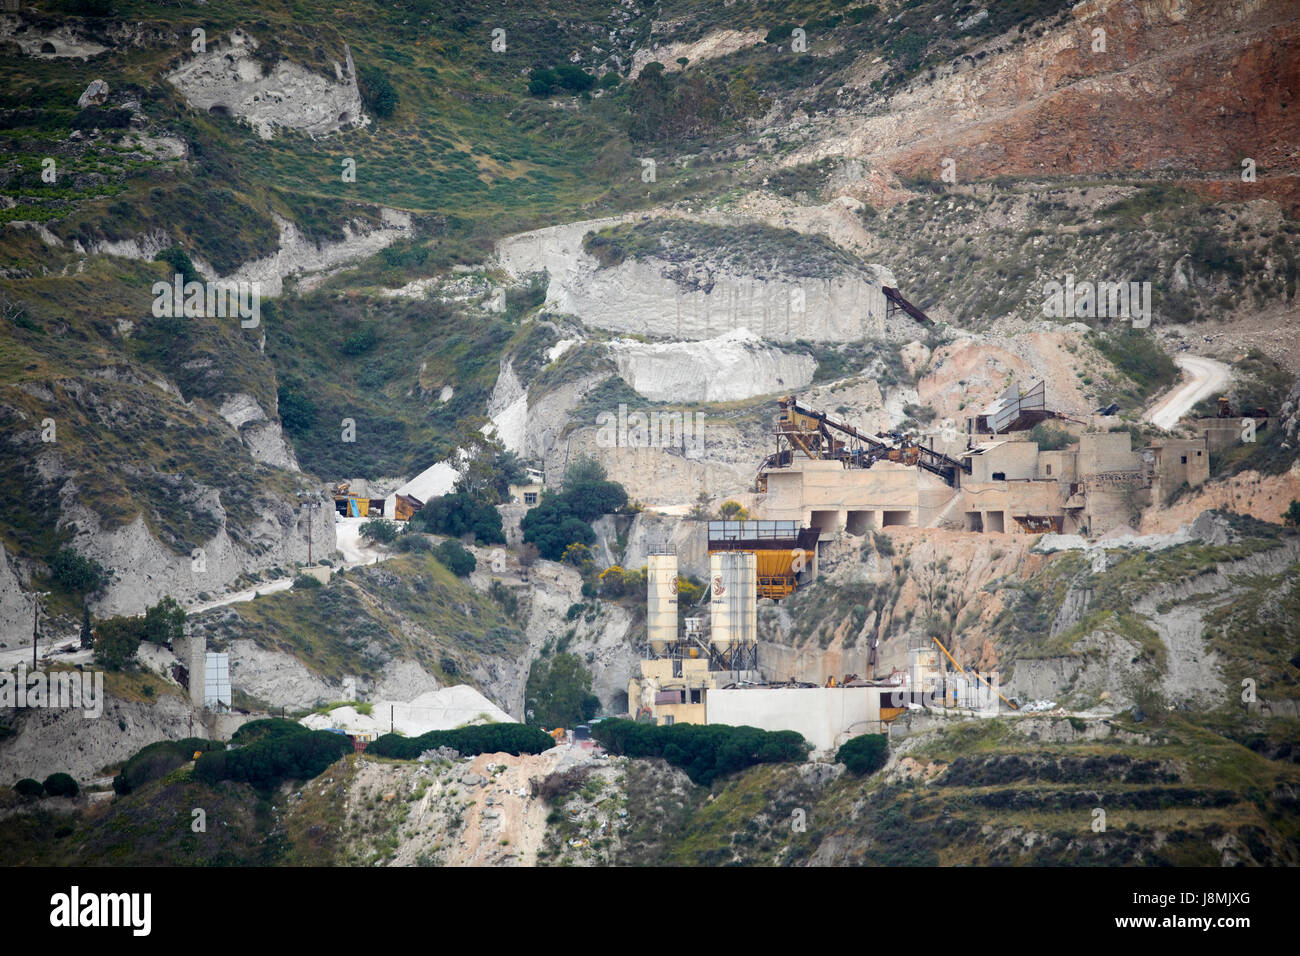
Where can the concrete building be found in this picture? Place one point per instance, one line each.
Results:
(671, 690)
(1221, 433)
(1178, 461)
(1008, 486)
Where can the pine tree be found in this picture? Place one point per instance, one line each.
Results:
(87, 638)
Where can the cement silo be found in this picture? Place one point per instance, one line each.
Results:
(733, 577)
(661, 601)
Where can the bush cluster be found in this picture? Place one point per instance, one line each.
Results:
(486, 739)
(564, 518)
(76, 573)
(704, 751)
(455, 558)
(274, 758)
(61, 785)
(159, 759)
(865, 754)
(116, 639)
(459, 514)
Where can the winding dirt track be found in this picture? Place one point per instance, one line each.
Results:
(1203, 377)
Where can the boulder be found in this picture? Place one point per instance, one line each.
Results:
(96, 95)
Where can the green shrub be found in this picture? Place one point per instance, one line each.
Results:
(864, 755)
(380, 529)
(360, 342)
(180, 262)
(704, 751)
(1050, 437)
(116, 641)
(28, 787)
(377, 92)
(467, 741)
(77, 574)
(564, 518)
(159, 759)
(416, 543)
(305, 582)
(459, 514)
(164, 622)
(61, 785)
(557, 690)
(455, 558)
(268, 727)
(274, 759)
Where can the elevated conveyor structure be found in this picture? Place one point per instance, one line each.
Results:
(822, 439)
(894, 302)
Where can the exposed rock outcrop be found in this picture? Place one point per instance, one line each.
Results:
(262, 435)
(732, 366)
(96, 94)
(228, 79)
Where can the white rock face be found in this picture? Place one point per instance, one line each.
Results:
(15, 606)
(228, 79)
(732, 366)
(264, 438)
(298, 256)
(63, 41)
(145, 246)
(642, 297)
(54, 740)
(719, 43)
(144, 569)
(508, 408)
(638, 296)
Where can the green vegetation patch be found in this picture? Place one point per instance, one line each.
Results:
(467, 741)
(751, 249)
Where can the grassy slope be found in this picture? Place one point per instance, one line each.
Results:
(1000, 798)
(411, 607)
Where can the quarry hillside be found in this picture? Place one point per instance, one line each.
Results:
(503, 253)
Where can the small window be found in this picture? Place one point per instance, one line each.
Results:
(1184, 459)
(1198, 454)
(999, 476)
(530, 497)
(668, 720)
(1049, 469)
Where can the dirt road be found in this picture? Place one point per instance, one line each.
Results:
(1203, 378)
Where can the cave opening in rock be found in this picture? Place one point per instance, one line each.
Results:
(216, 109)
(48, 47)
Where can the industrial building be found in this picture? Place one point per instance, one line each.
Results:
(705, 671)
(837, 480)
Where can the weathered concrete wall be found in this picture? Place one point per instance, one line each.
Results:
(1012, 460)
(826, 716)
(1057, 465)
(1180, 460)
(1103, 452)
(1220, 433)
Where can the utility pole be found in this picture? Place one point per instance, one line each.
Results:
(36, 611)
(310, 506)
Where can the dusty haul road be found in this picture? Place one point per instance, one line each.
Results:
(1203, 377)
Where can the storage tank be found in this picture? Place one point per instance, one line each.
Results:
(661, 601)
(733, 578)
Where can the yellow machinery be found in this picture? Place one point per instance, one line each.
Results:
(965, 671)
(782, 551)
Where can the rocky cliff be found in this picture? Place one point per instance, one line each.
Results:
(230, 79)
